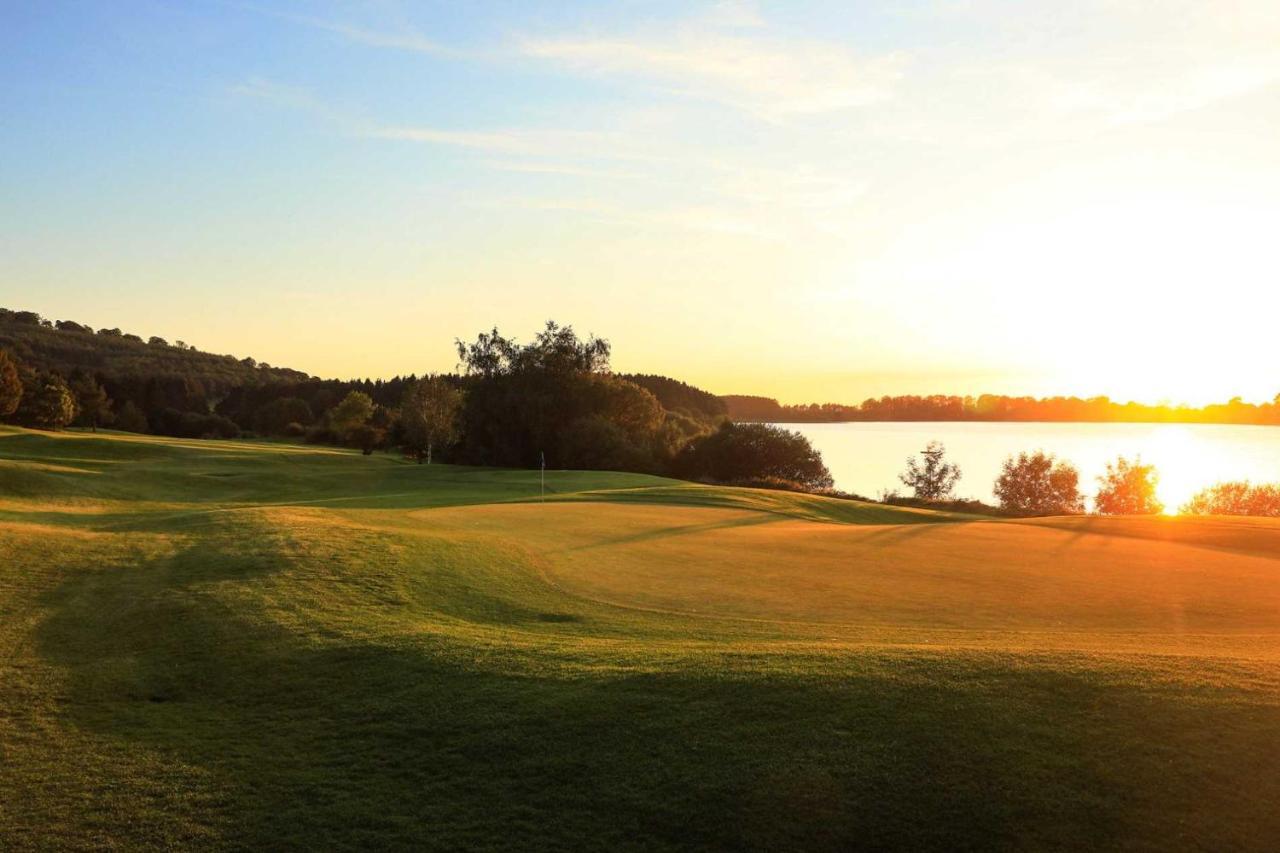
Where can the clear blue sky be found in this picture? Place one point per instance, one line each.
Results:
(814, 200)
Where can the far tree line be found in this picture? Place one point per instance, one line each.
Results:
(999, 408)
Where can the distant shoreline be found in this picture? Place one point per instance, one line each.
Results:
(1002, 421)
(994, 408)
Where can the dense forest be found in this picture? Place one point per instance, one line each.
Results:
(993, 407)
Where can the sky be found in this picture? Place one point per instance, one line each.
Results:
(816, 201)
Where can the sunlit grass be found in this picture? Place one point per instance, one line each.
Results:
(244, 645)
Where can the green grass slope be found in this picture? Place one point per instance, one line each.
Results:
(244, 645)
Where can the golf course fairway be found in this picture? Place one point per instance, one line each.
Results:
(253, 645)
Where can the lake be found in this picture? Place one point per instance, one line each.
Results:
(866, 458)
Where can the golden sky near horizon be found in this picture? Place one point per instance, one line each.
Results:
(813, 201)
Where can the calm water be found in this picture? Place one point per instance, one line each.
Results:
(867, 457)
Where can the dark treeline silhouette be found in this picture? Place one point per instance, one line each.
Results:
(680, 397)
(65, 346)
(993, 407)
(552, 401)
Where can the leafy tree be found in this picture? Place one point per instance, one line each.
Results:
(47, 402)
(353, 412)
(1239, 498)
(634, 409)
(681, 398)
(10, 385)
(521, 398)
(130, 418)
(92, 402)
(429, 416)
(276, 416)
(595, 443)
(556, 349)
(1037, 484)
(932, 478)
(755, 453)
(367, 437)
(1128, 488)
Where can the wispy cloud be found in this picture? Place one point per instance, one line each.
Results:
(543, 168)
(403, 37)
(769, 77)
(706, 218)
(299, 99)
(558, 146)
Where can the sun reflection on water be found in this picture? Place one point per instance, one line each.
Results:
(867, 457)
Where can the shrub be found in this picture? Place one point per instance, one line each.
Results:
(366, 437)
(1128, 488)
(1239, 498)
(967, 506)
(751, 452)
(1037, 484)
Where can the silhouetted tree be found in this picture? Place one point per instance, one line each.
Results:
(1037, 484)
(1128, 488)
(92, 402)
(932, 478)
(521, 398)
(429, 416)
(556, 350)
(10, 385)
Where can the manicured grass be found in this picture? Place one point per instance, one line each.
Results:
(242, 645)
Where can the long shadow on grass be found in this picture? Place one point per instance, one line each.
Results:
(426, 743)
(657, 533)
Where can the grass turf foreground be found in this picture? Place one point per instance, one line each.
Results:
(255, 645)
